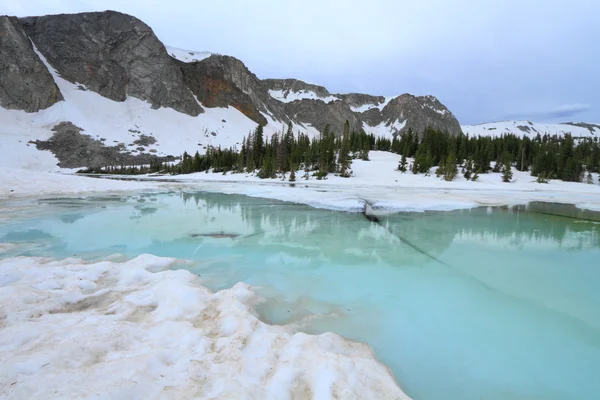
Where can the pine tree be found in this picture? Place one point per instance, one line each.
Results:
(403, 164)
(258, 146)
(324, 153)
(589, 179)
(450, 169)
(422, 162)
(506, 170)
(343, 156)
(541, 178)
(468, 174)
(292, 173)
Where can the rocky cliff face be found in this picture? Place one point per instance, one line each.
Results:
(287, 86)
(117, 56)
(113, 54)
(357, 100)
(221, 81)
(25, 83)
(208, 81)
(317, 113)
(419, 113)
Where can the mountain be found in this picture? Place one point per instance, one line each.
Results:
(108, 75)
(531, 129)
(103, 83)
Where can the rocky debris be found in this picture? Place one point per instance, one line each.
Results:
(145, 140)
(524, 128)
(25, 83)
(75, 150)
(589, 127)
(113, 54)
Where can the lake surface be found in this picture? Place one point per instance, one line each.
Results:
(488, 303)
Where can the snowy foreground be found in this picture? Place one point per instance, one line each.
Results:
(135, 330)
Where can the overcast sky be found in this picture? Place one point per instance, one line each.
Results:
(486, 60)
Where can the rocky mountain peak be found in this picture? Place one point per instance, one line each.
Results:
(282, 88)
(420, 113)
(118, 56)
(358, 100)
(113, 54)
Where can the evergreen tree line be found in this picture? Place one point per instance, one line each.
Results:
(284, 152)
(546, 157)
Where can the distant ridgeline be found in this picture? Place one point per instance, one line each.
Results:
(546, 157)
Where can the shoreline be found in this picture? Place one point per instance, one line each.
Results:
(326, 194)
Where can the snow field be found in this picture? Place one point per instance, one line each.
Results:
(136, 330)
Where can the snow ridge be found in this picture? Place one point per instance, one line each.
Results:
(528, 128)
(187, 56)
(136, 330)
(287, 96)
(368, 106)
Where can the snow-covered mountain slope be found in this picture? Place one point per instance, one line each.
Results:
(368, 106)
(115, 122)
(531, 129)
(187, 55)
(287, 96)
(385, 129)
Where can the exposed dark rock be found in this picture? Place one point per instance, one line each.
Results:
(145, 140)
(211, 80)
(113, 54)
(25, 83)
(524, 128)
(589, 127)
(75, 150)
(417, 113)
(318, 114)
(295, 85)
(371, 117)
(360, 99)
(420, 113)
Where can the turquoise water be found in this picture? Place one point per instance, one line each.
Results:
(489, 303)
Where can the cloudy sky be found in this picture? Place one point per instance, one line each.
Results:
(487, 60)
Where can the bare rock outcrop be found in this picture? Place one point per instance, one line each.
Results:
(25, 83)
(113, 54)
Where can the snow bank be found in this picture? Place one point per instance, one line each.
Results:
(368, 106)
(385, 129)
(380, 183)
(376, 181)
(24, 183)
(287, 96)
(117, 330)
(187, 56)
(527, 128)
